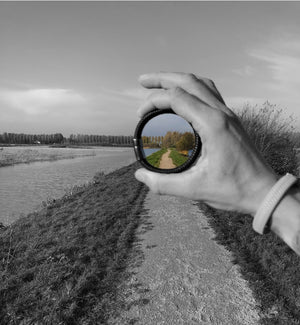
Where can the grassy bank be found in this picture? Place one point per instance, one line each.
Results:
(63, 264)
(178, 158)
(154, 159)
(271, 268)
(8, 158)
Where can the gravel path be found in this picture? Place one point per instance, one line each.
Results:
(186, 277)
(166, 162)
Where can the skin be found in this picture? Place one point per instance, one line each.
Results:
(230, 174)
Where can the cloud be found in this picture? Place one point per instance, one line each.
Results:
(127, 94)
(40, 101)
(41, 110)
(138, 94)
(108, 111)
(246, 71)
(162, 42)
(282, 60)
(272, 73)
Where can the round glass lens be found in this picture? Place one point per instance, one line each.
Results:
(168, 141)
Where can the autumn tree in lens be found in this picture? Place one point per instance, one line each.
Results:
(186, 142)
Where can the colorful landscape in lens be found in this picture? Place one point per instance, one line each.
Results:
(168, 140)
(173, 149)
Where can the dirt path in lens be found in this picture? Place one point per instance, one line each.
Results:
(183, 277)
(166, 162)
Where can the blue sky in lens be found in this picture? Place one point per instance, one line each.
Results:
(73, 67)
(161, 124)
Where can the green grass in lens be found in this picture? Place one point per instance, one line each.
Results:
(154, 159)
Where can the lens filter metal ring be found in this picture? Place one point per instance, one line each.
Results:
(140, 153)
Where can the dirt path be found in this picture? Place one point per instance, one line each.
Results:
(166, 162)
(186, 277)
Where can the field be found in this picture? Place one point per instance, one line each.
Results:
(11, 156)
(62, 264)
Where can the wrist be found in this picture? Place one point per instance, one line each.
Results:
(271, 201)
(258, 188)
(285, 221)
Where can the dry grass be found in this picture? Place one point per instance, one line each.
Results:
(271, 268)
(62, 265)
(273, 134)
(8, 158)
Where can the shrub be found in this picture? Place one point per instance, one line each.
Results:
(272, 133)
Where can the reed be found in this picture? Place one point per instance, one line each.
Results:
(25, 156)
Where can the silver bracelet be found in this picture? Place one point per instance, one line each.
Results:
(270, 202)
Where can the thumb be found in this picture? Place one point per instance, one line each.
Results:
(165, 184)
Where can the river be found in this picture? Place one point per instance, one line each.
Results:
(23, 187)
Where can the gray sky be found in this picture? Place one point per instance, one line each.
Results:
(72, 67)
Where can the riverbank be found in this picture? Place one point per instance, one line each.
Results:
(65, 263)
(29, 155)
(62, 265)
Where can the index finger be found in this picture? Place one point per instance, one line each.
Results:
(165, 80)
(191, 108)
(200, 87)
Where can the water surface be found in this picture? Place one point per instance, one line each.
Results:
(23, 187)
(150, 151)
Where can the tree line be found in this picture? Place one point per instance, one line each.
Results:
(58, 138)
(22, 138)
(172, 139)
(123, 140)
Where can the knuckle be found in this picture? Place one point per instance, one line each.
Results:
(190, 78)
(209, 83)
(174, 95)
(176, 92)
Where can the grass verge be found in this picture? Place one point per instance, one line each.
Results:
(178, 158)
(269, 265)
(25, 156)
(154, 159)
(62, 265)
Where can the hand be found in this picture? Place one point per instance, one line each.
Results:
(230, 173)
